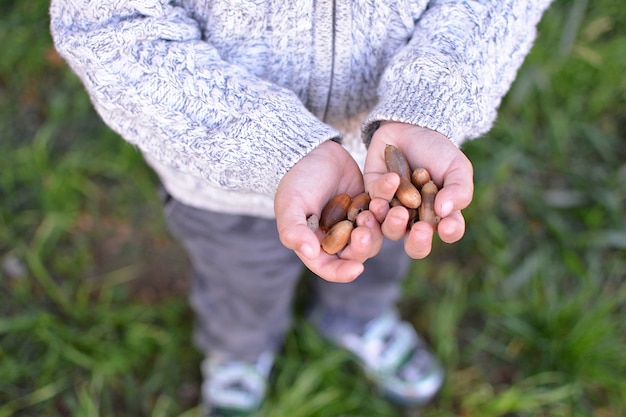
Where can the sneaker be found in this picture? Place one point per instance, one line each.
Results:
(393, 356)
(234, 388)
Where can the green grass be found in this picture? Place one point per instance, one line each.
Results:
(527, 311)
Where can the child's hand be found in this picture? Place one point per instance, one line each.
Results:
(450, 170)
(327, 171)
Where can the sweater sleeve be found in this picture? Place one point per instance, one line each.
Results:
(460, 62)
(155, 82)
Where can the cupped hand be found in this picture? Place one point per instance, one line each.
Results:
(450, 169)
(304, 190)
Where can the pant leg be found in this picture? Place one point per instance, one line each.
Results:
(351, 305)
(243, 280)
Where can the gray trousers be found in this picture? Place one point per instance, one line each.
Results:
(244, 280)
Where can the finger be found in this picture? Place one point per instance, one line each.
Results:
(452, 198)
(379, 208)
(301, 239)
(333, 269)
(457, 191)
(359, 247)
(452, 228)
(384, 186)
(394, 226)
(307, 247)
(366, 239)
(418, 242)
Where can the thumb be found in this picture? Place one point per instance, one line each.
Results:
(457, 191)
(295, 234)
(301, 239)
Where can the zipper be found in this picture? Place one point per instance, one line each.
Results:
(331, 76)
(323, 58)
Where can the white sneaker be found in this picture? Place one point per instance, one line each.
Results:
(394, 357)
(235, 388)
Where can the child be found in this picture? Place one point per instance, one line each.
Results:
(255, 113)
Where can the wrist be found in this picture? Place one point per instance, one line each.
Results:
(388, 130)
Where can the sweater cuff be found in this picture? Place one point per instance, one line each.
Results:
(431, 93)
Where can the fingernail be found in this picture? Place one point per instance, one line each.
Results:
(420, 235)
(369, 220)
(307, 250)
(446, 208)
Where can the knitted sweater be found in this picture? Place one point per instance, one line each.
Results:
(224, 97)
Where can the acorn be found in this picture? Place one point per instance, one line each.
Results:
(335, 211)
(408, 195)
(359, 203)
(395, 161)
(337, 237)
(427, 209)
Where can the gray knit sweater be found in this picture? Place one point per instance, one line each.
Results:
(223, 97)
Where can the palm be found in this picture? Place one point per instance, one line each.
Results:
(304, 190)
(450, 169)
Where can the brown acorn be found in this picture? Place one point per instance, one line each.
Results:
(359, 203)
(337, 237)
(395, 161)
(335, 211)
(427, 209)
(408, 195)
(419, 177)
(413, 217)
